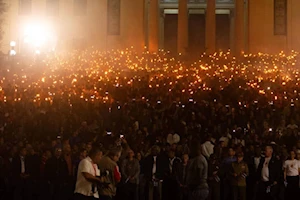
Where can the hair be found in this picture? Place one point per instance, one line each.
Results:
(114, 152)
(270, 147)
(240, 154)
(94, 151)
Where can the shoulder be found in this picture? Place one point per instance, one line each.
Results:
(84, 162)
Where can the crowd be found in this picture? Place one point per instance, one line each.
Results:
(216, 127)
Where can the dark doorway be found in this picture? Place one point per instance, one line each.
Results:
(196, 33)
(222, 32)
(170, 32)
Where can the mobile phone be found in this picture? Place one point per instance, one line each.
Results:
(191, 100)
(158, 102)
(58, 137)
(119, 107)
(121, 136)
(227, 106)
(270, 129)
(108, 132)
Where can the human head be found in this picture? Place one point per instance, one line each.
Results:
(139, 156)
(83, 153)
(185, 158)
(231, 152)
(88, 147)
(292, 155)
(130, 153)
(240, 157)
(155, 150)
(23, 151)
(96, 154)
(114, 154)
(57, 152)
(171, 153)
(268, 151)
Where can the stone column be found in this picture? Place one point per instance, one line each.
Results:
(182, 31)
(153, 25)
(239, 32)
(210, 27)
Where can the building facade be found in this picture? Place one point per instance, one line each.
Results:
(177, 25)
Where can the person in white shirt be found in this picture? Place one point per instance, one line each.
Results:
(87, 176)
(291, 175)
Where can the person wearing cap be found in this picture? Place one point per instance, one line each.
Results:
(291, 175)
(239, 172)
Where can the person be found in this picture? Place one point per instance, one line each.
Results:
(197, 175)
(213, 178)
(269, 174)
(109, 164)
(21, 176)
(239, 173)
(155, 166)
(225, 173)
(56, 173)
(291, 176)
(170, 185)
(130, 170)
(87, 176)
(181, 172)
(208, 147)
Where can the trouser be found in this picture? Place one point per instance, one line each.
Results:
(22, 189)
(129, 191)
(154, 190)
(78, 196)
(292, 188)
(198, 194)
(264, 194)
(239, 192)
(170, 190)
(105, 197)
(214, 191)
(227, 190)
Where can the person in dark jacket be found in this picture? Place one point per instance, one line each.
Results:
(155, 170)
(21, 177)
(181, 173)
(269, 176)
(170, 185)
(214, 181)
(56, 172)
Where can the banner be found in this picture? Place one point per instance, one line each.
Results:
(280, 17)
(113, 17)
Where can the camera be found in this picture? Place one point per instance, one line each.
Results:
(104, 173)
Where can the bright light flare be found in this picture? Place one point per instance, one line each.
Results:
(38, 34)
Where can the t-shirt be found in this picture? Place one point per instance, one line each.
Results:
(292, 167)
(82, 185)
